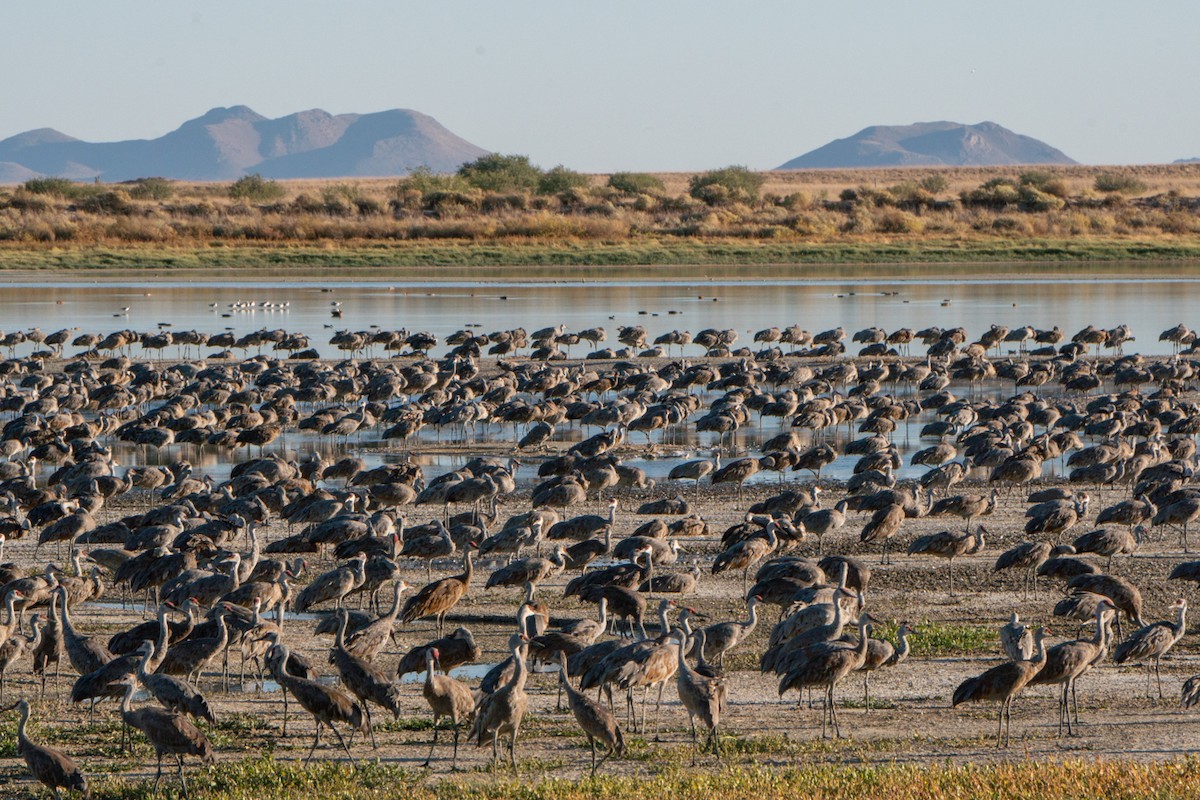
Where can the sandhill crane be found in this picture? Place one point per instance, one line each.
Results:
(168, 733)
(447, 698)
(1123, 594)
(738, 472)
(53, 768)
(703, 697)
(882, 653)
(1056, 516)
(825, 521)
(696, 470)
(501, 712)
(1001, 684)
(528, 570)
(1152, 642)
(440, 545)
(437, 598)
(1027, 557)
(363, 681)
(192, 655)
(333, 585)
(1179, 514)
(722, 637)
(454, 650)
(50, 648)
(1016, 639)
(1109, 542)
(651, 667)
(12, 647)
(1130, 513)
(85, 653)
(673, 582)
(173, 693)
(326, 704)
(367, 640)
(949, 545)
(823, 665)
(883, 525)
(597, 722)
(1067, 661)
(967, 506)
(748, 552)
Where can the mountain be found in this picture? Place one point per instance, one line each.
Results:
(1187, 160)
(930, 144)
(227, 143)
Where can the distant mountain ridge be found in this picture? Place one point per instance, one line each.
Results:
(930, 144)
(227, 143)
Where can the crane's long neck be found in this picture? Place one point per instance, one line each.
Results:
(603, 614)
(24, 721)
(468, 568)
(752, 620)
(681, 657)
(902, 646)
(520, 670)
(1179, 626)
(10, 602)
(1039, 658)
(127, 700)
(36, 639)
(429, 668)
(343, 621)
(396, 592)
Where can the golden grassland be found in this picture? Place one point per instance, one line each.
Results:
(267, 778)
(804, 217)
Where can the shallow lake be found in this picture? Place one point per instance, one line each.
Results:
(1147, 299)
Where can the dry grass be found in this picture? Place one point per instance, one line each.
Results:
(839, 215)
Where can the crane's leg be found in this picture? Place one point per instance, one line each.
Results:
(370, 726)
(512, 750)
(454, 760)
(342, 742)
(316, 738)
(158, 776)
(592, 744)
(952, 577)
(867, 691)
(837, 726)
(182, 779)
(658, 710)
(1075, 702)
(692, 721)
(429, 757)
(1000, 725)
(495, 751)
(1158, 678)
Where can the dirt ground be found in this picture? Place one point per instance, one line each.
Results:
(911, 719)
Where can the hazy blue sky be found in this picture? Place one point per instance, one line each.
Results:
(652, 84)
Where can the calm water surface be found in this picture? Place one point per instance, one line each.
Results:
(1148, 301)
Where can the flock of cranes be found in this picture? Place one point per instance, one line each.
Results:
(239, 564)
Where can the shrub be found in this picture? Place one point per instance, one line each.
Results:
(1032, 199)
(151, 189)
(1119, 182)
(116, 202)
(496, 172)
(996, 193)
(255, 188)
(730, 184)
(934, 184)
(896, 221)
(560, 179)
(424, 180)
(635, 183)
(59, 187)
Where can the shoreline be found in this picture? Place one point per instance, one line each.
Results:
(680, 262)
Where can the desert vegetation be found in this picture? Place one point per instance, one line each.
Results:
(559, 214)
